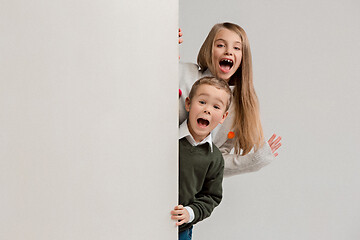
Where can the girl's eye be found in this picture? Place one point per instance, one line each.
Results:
(220, 45)
(236, 48)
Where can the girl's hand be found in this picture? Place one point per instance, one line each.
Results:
(180, 39)
(180, 35)
(181, 214)
(274, 144)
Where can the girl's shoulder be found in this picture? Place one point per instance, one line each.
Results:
(189, 69)
(189, 73)
(189, 65)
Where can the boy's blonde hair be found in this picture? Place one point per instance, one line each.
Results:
(247, 125)
(212, 81)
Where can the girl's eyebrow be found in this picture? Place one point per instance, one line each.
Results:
(220, 39)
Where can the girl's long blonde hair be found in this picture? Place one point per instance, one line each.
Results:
(247, 125)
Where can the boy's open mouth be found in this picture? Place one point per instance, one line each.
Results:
(203, 122)
(226, 65)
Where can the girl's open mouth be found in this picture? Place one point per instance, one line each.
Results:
(226, 65)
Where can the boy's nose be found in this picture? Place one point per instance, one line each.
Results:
(206, 111)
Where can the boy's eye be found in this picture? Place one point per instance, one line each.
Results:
(202, 102)
(216, 107)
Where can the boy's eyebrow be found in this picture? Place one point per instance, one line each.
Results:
(220, 39)
(205, 94)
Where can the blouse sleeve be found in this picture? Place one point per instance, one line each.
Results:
(251, 162)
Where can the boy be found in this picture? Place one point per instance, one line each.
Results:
(201, 164)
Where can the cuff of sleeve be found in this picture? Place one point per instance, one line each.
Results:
(263, 156)
(252, 162)
(191, 214)
(265, 153)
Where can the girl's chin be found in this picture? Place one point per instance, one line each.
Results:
(224, 76)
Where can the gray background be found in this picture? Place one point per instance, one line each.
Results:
(307, 77)
(84, 128)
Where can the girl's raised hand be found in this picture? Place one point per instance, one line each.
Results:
(180, 39)
(180, 35)
(274, 144)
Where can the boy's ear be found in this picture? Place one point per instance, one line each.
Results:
(224, 116)
(187, 104)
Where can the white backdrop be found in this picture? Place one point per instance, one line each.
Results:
(307, 76)
(89, 104)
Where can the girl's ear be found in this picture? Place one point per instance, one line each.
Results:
(187, 104)
(224, 117)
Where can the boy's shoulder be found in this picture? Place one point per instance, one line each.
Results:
(216, 165)
(217, 157)
(217, 152)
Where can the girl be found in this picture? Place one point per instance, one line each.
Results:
(226, 55)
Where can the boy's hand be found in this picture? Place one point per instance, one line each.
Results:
(181, 214)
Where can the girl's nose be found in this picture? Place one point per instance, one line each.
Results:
(229, 51)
